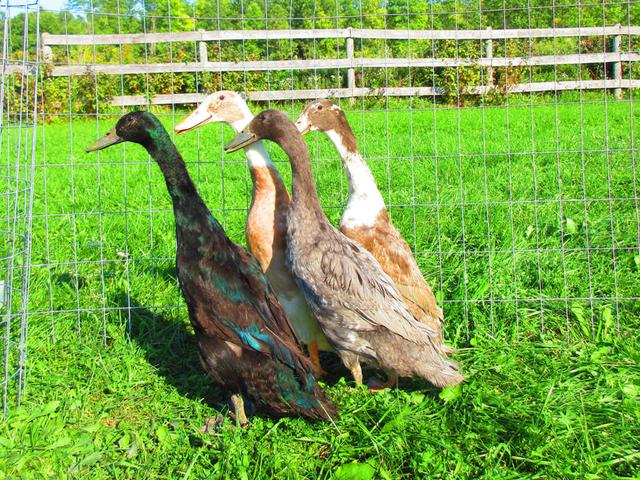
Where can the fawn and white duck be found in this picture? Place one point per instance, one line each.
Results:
(267, 219)
(365, 219)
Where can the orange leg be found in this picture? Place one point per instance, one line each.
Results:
(314, 354)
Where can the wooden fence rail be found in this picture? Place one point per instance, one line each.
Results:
(615, 57)
(223, 35)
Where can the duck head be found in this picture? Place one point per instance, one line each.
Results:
(323, 115)
(134, 127)
(269, 125)
(224, 106)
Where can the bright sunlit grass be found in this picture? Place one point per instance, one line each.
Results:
(511, 211)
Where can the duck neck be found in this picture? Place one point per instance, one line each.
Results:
(265, 178)
(190, 211)
(257, 156)
(365, 201)
(256, 153)
(304, 194)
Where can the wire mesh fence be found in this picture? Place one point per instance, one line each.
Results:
(506, 156)
(17, 147)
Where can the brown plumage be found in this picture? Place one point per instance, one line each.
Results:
(395, 257)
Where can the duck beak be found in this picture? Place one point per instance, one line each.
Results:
(111, 138)
(197, 119)
(244, 138)
(303, 125)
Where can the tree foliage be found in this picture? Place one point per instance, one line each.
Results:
(133, 16)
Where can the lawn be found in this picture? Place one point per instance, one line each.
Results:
(523, 219)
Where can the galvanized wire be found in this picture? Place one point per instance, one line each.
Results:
(506, 303)
(18, 119)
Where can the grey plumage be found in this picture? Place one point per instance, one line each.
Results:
(358, 306)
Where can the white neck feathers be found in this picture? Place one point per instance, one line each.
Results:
(365, 201)
(255, 153)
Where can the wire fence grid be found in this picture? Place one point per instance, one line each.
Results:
(521, 207)
(17, 147)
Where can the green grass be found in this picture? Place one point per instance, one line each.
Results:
(552, 386)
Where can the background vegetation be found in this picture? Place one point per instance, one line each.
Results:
(91, 94)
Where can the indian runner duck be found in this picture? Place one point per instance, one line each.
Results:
(267, 219)
(366, 220)
(358, 306)
(244, 339)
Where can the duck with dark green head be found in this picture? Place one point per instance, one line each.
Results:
(244, 338)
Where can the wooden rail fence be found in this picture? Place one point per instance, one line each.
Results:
(615, 57)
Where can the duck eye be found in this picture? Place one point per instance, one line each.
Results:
(221, 97)
(319, 107)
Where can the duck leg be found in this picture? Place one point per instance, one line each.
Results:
(314, 355)
(352, 362)
(356, 371)
(238, 408)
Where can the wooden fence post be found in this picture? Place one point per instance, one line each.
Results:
(489, 56)
(617, 66)
(351, 72)
(46, 54)
(202, 47)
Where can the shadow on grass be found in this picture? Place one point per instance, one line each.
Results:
(170, 346)
(335, 370)
(161, 268)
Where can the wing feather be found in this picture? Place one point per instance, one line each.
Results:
(252, 317)
(357, 284)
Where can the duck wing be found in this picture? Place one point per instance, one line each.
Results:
(396, 259)
(257, 320)
(236, 306)
(354, 284)
(422, 301)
